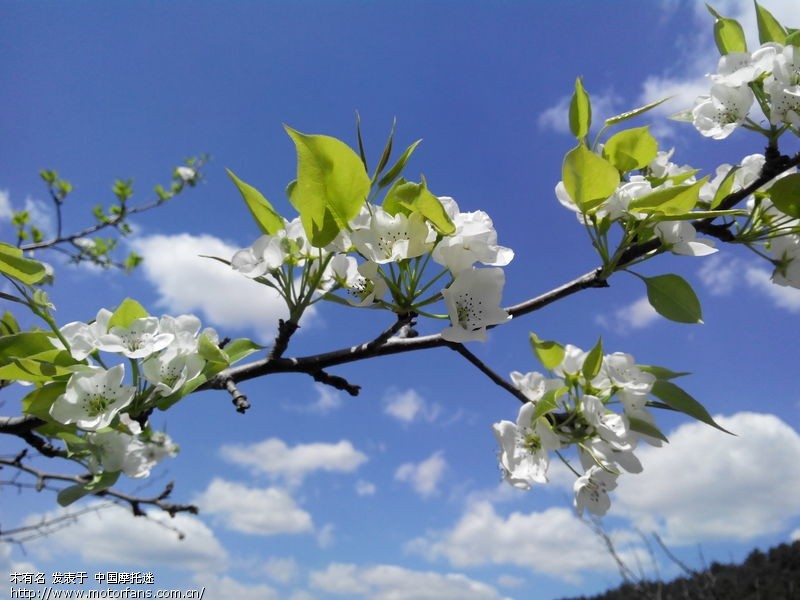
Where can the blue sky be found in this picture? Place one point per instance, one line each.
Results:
(394, 493)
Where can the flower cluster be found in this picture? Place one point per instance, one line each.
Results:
(770, 74)
(111, 416)
(379, 260)
(572, 408)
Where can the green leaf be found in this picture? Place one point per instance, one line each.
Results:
(661, 372)
(588, 178)
(127, 313)
(211, 352)
(267, 219)
(785, 194)
(631, 149)
(39, 401)
(13, 264)
(408, 197)
(642, 426)
(580, 111)
(633, 113)
(793, 39)
(549, 353)
(361, 153)
(42, 367)
(672, 297)
(724, 188)
(769, 29)
(675, 200)
(8, 325)
(680, 400)
(387, 152)
(548, 402)
(331, 185)
(593, 361)
(699, 214)
(23, 345)
(728, 34)
(240, 348)
(100, 482)
(398, 167)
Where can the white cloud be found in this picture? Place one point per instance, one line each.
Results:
(274, 458)
(423, 477)
(553, 542)
(407, 406)
(115, 536)
(186, 282)
(708, 485)
(636, 315)
(365, 488)
(225, 587)
(510, 581)
(389, 582)
(257, 511)
(282, 570)
(325, 536)
(784, 297)
(556, 117)
(721, 276)
(795, 535)
(5, 205)
(327, 400)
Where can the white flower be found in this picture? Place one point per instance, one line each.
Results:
(139, 340)
(474, 240)
(186, 174)
(617, 204)
(366, 286)
(786, 249)
(81, 337)
(679, 238)
(524, 447)
(169, 371)
(534, 385)
(597, 451)
(92, 398)
(185, 329)
(623, 372)
(610, 426)
(662, 167)
(718, 115)
(741, 68)
(134, 456)
(591, 491)
(390, 238)
(266, 254)
(473, 303)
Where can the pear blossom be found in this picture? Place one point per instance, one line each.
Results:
(185, 174)
(783, 87)
(82, 337)
(524, 447)
(362, 282)
(131, 454)
(139, 340)
(474, 240)
(597, 451)
(186, 331)
(265, 255)
(661, 167)
(473, 303)
(718, 115)
(534, 385)
(623, 372)
(679, 238)
(786, 249)
(92, 398)
(390, 238)
(610, 426)
(740, 68)
(591, 491)
(169, 371)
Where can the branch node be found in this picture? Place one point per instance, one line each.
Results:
(340, 383)
(238, 398)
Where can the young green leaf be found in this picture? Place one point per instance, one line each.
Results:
(680, 400)
(661, 372)
(728, 34)
(675, 200)
(631, 149)
(398, 166)
(785, 195)
(643, 427)
(580, 111)
(549, 353)
(361, 153)
(593, 361)
(387, 152)
(769, 29)
(407, 197)
(100, 482)
(13, 264)
(672, 297)
(588, 178)
(127, 313)
(331, 185)
(267, 219)
(633, 113)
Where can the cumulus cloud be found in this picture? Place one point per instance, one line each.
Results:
(327, 401)
(225, 587)
(365, 488)
(721, 276)
(390, 582)
(134, 541)
(256, 511)
(5, 205)
(552, 542)
(708, 485)
(423, 477)
(282, 570)
(408, 406)
(274, 458)
(187, 282)
(325, 536)
(637, 315)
